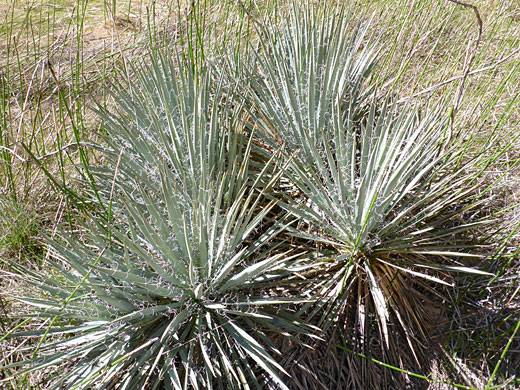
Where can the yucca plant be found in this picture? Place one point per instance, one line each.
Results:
(373, 186)
(172, 287)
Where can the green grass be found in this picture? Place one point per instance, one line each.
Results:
(20, 233)
(58, 60)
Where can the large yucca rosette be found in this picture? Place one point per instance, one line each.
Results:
(174, 288)
(374, 185)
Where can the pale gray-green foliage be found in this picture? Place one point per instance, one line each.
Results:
(170, 293)
(371, 179)
(303, 71)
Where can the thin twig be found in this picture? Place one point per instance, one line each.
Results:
(50, 154)
(455, 78)
(87, 144)
(247, 11)
(470, 57)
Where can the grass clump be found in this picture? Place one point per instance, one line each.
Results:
(20, 231)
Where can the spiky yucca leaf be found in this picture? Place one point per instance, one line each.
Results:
(173, 293)
(302, 70)
(372, 183)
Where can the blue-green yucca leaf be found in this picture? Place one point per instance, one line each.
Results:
(384, 213)
(180, 278)
(373, 183)
(302, 70)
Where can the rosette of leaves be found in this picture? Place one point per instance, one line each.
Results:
(373, 186)
(175, 291)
